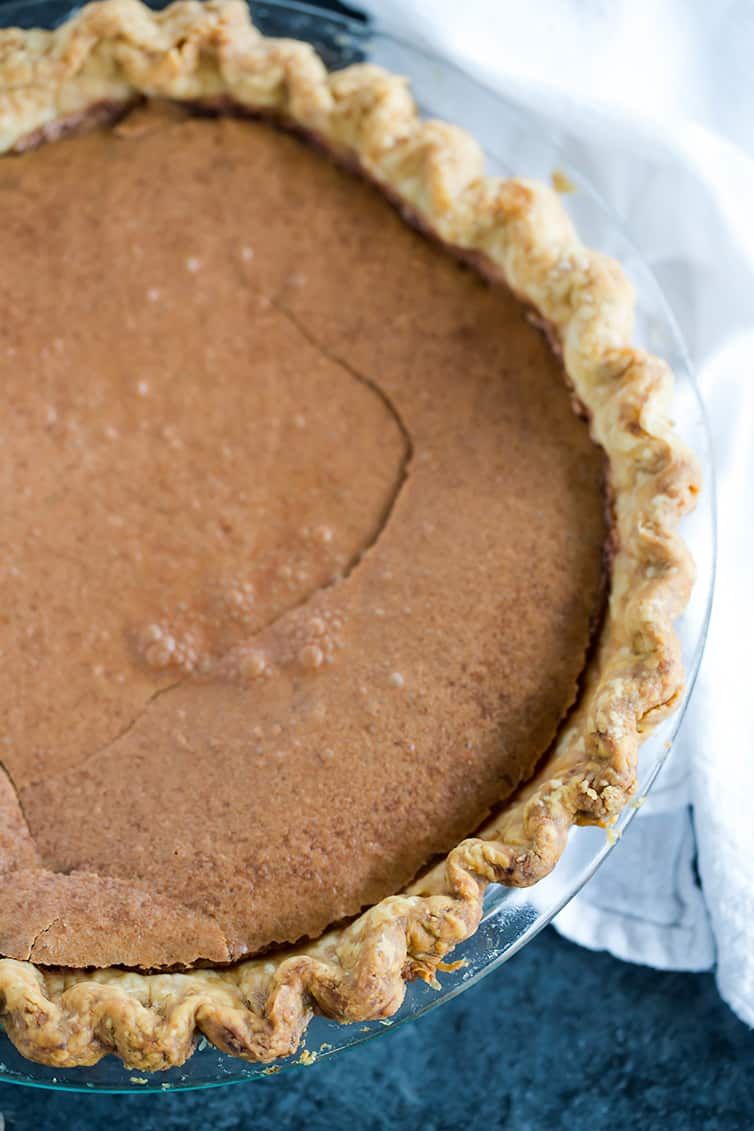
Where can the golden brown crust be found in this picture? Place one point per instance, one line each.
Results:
(117, 50)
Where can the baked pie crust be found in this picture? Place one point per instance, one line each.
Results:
(105, 58)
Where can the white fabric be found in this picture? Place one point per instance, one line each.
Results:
(658, 99)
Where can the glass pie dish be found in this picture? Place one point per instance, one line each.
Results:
(514, 143)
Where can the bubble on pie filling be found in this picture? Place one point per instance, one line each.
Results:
(161, 648)
(323, 533)
(233, 600)
(311, 657)
(251, 664)
(160, 654)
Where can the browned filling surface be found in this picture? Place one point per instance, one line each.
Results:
(300, 544)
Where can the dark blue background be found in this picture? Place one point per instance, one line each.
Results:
(557, 1038)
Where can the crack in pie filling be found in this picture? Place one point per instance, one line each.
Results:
(306, 553)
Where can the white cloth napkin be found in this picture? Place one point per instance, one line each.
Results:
(658, 101)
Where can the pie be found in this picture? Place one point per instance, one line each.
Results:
(339, 552)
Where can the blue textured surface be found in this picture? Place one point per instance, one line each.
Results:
(556, 1038)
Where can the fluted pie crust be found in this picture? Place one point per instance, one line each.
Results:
(110, 55)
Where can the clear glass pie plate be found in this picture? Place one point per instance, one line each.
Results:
(517, 144)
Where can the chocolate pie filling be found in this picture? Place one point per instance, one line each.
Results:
(301, 545)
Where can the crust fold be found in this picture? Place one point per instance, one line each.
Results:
(115, 51)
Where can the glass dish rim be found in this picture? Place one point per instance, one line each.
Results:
(362, 33)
